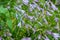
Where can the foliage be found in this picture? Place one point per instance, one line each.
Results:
(19, 19)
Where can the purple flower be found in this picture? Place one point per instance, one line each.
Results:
(0, 38)
(39, 36)
(39, 8)
(8, 34)
(36, 0)
(56, 35)
(56, 19)
(46, 38)
(48, 14)
(53, 7)
(26, 2)
(30, 17)
(19, 24)
(18, 9)
(49, 32)
(27, 38)
(33, 6)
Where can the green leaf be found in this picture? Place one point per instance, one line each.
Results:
(54, 1)
(31, 1)
(9, 23)
(24, 7)
(42, 1)
(2, 9)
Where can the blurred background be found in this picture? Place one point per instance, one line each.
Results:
(29, 19)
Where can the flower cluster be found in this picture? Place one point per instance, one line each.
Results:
(29, 20)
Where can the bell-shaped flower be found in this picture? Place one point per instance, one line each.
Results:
(26, 38)
(26, 2)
